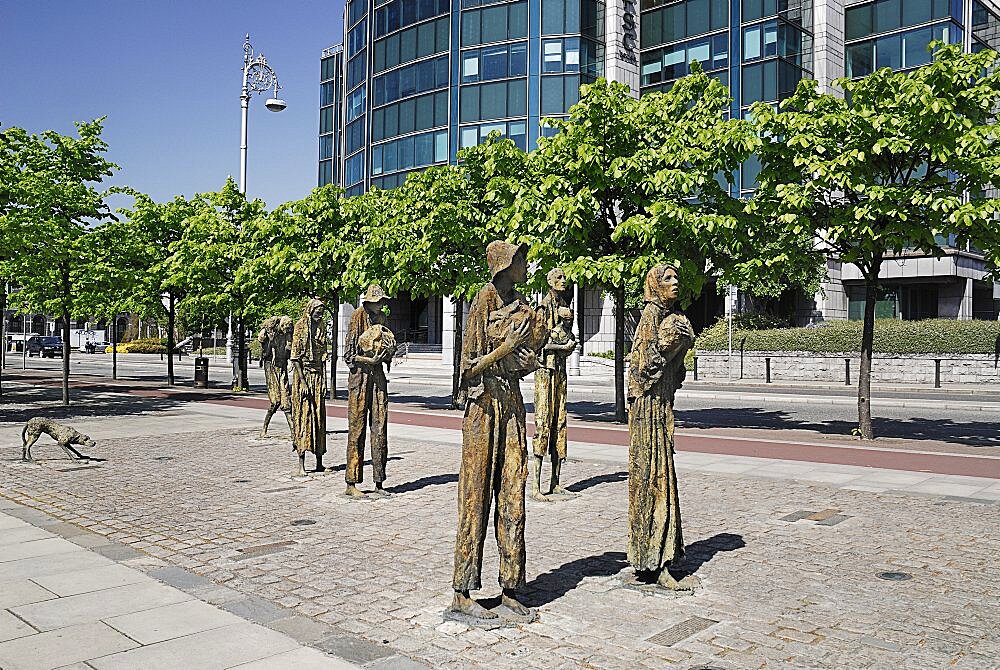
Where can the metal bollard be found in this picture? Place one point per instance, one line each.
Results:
(937, 373)
(847, 372)
(767, 370)
(696, 368)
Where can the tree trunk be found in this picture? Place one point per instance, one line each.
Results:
(867, 338)
(334, 336)
(171, 316)
(3, 331)
(456, 359)
(619, 298)
(65, 334)
(241, 348)
(114, 347)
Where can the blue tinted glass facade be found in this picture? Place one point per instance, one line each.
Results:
(423, 78)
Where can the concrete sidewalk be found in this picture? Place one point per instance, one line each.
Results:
(68, 606)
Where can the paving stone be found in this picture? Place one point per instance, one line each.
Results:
(256, 609)
(21, 592)
(353, 649)
(70, 561)
(24, 534)
(301, 628)
(94, 579)
(62, 647)
(170, 621)
(117, 552)
(299, 659)
(179, 578)
(230, 646)
(95, 605)
(11, 627)
(35, 549)
(396, 663)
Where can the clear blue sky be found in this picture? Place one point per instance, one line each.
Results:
(167, 75)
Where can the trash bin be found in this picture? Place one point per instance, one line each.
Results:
(201, 372)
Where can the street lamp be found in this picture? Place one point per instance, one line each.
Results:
(258, 77)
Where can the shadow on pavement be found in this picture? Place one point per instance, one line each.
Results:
(607, 478)
(417, 484)
(554, 584)
(22, 404)
(701, 552)
(968, 433)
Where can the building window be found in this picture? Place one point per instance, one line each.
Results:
(682, 20)
(888, 15)
(355, 10)
(670, 63)
(495, 24)
(516, 131)
(354, 169)
(421, 113)
(326, 94)
(326, 120)
(356, 39)
(410, 44)
(494, 101)
(328, 68)
(412, 79)
(499, 62)
(899, 51)
(559, 94)
(355, 104)
(402, 13)
(325, 173)
(356, 70)
(769, 81)
(325, 147)
(354, 135)
(410, 152)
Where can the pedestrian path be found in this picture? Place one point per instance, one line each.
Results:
(66, 606)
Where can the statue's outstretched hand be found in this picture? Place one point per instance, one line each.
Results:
(518, 335)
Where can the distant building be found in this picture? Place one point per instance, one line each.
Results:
(418, 79)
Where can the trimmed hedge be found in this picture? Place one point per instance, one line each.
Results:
(932, 336)
(148, 345)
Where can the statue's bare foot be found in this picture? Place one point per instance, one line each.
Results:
(353, 492)
(689, 582)
(558, 490)
(510, 602)
(465, 605)
(539, 496)
(381, 492)
(262, 434)
(667, 581)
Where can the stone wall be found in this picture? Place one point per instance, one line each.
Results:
(886, 369)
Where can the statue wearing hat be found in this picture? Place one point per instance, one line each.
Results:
(550, 386)
(503, 335)
(370, 345)
(309, 385)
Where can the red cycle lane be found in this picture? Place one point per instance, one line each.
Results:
(892, 459)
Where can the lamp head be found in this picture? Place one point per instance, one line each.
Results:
(275, 104)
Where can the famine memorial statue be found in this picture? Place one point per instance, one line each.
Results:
(309, 385)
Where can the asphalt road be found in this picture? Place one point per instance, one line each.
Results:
(958, 417)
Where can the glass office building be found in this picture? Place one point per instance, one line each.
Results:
(416, 80)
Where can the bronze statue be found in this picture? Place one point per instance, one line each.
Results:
(369, 345)
(64, 435)
(662, 338)
(502, 336)
(550, 387)
(275, 338)
(309, 385)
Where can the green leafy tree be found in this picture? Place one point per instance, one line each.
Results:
(903, 159)
(429, 236)
(302, 250)
(51, 200)
(206, 264)
(627, 183)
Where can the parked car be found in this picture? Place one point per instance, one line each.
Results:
(94, 347)
(45, 346)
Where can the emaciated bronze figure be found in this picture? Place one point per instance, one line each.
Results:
(662, 338)
(550, 386)
(502, 336)
(275, 338)
(308, 354)
(370, 345)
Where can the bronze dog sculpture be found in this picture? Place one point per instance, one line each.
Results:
(64, 436)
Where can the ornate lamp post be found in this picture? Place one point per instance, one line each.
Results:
(258, 77)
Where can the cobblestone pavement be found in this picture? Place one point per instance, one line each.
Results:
(779, 590)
